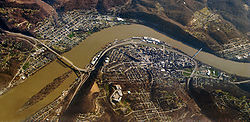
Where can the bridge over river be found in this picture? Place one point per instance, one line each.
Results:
(63, 59)
(82, 54)
(240, 82)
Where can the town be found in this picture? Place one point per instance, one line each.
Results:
(61, 35)
(63, 31)
(237, 48)
(146, 81)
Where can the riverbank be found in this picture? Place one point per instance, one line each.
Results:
(82, 54)
(96, 41)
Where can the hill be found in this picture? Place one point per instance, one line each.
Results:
(218, 26)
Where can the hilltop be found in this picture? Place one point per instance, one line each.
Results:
(220, 27)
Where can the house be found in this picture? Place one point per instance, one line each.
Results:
(117, 95)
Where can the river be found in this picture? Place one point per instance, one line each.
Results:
(81, 56)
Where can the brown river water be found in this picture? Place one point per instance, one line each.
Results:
(81, 55)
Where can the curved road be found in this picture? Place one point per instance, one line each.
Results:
(51, 50)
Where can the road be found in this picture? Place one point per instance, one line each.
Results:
(240, 82)
(192, 74)
(71, 65)
(197, 53)
(83, 80)
(113, 46)
(126, 42)
(87, 71)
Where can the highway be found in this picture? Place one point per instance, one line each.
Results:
(128, 41)
(193, 72)
(70, 64)
(113, 46)
(84, 79)
(87, 71)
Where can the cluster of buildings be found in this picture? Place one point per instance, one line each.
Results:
(135, 71)
(116, 95)
(61, 34)
(148, 40)
(119, 63)
(238, 49)
(142, 64)
(38, 59)
(202, 18)
(208, 76)
(63, 31)
(138, 67)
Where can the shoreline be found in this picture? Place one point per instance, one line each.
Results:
(82, 54)
(226, 65)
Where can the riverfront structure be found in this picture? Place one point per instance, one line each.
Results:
(136, 66)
